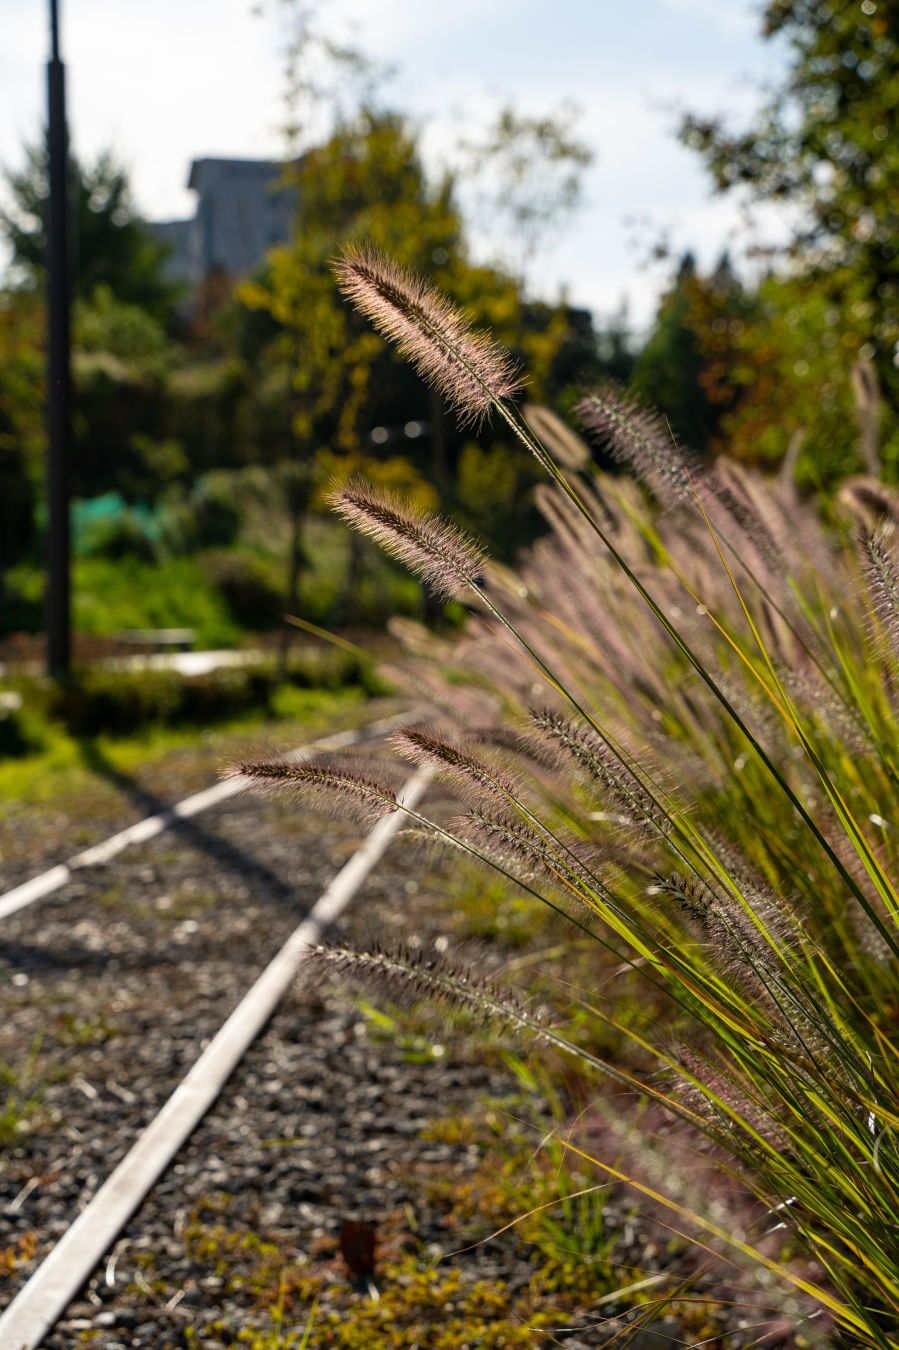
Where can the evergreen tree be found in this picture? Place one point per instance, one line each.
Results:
(685, 368)
(112, 246)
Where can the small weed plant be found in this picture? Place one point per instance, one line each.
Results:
(22, 1097)
(675, 724)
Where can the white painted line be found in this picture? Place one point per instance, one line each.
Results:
(139, 833)
(35, 889)
(57, 1280)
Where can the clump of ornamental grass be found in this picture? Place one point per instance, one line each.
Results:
(705, 788)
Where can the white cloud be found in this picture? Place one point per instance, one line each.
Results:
(729, 16)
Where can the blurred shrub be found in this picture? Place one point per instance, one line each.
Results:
(120, 702)
(248, 586)
(16, 738)
(21, 600)
(121, 535)
(149, 466)
(211, 408)
(492, 492)
(22, 427)
(208, 516)
(106, 324)
(216, 414)
(18, 498)
(111, 398)
(110, 595)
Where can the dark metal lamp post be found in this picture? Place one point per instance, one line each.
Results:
(58, 372)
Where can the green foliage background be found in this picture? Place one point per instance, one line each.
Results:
(273, 377)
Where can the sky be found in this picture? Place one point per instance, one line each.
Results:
(161, 84)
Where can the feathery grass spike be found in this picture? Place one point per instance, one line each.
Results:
(469, 368)
(445, 558)
(636, 436)
(337, 788)
(474, 777)
(883, 581)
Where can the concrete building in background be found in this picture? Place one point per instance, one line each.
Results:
(242, 210)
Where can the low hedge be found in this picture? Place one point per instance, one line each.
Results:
(119, 702)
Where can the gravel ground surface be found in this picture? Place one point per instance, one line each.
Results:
(113, 987)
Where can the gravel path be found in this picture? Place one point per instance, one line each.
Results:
(114, 986)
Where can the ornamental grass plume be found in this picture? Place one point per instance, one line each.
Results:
(707, 795)
(883, 581)
(440, 554)
(470, 369)
(472, 776)
(639, 438)
(341, 788)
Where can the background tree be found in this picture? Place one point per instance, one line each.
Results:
(685, 367)
(825, 144)
(527, 171)
(112, 245)
(22, 435)
(791, 371)
(751, 371)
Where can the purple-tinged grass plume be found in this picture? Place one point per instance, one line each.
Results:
(520, 846)
(470, 369)
(883, 581)
(639, 438)
(563, 444)
(448, 561)
(341, 789)
(869, 499)
(597, 763)
(473, 777)
(409, 976)
(711, 688)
